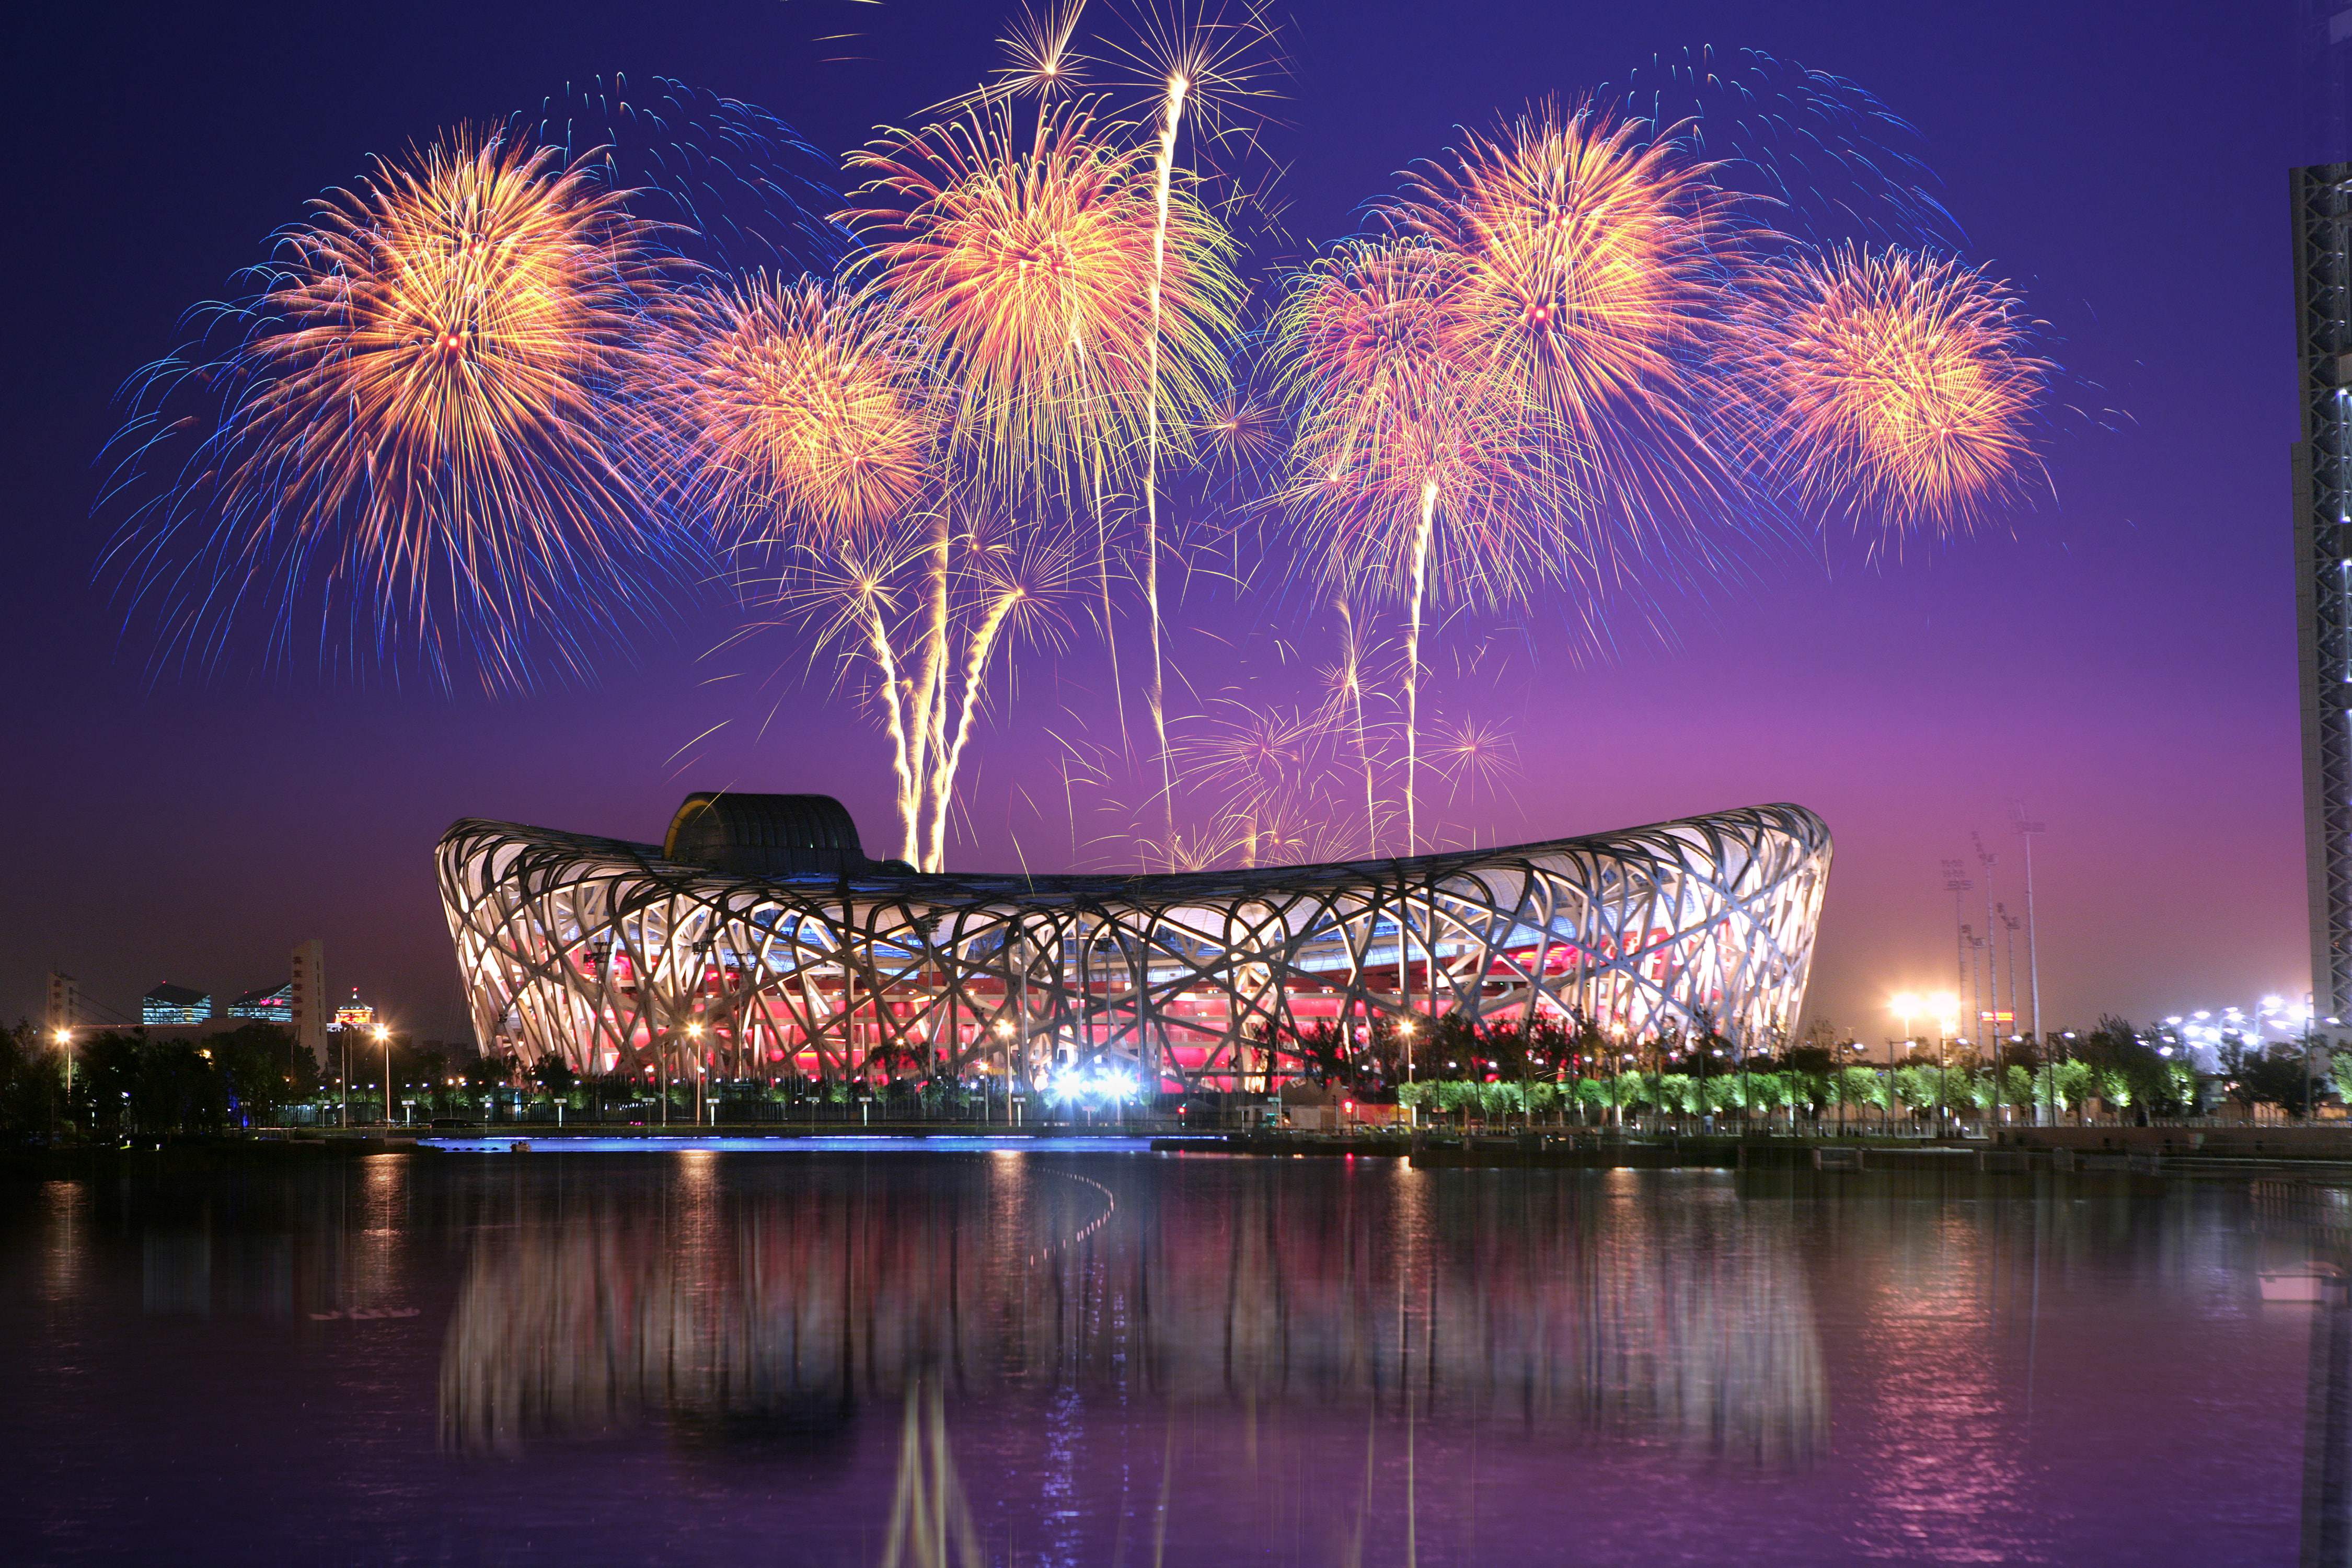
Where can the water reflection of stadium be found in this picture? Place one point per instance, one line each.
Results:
(744, 1305)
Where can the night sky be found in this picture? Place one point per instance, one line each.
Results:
(2119, 656)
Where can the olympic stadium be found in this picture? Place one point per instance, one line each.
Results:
(758, 939)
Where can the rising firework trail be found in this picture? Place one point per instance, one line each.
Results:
(1412, 468)
(1201, 59)
(1067, 296)
(805, 418)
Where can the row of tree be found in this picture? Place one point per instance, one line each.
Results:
(125, 1084)
(1455, 1064)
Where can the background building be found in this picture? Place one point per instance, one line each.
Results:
(353, 1014)
(169, 1005)
(309, 1001)
(758, 940)
(2322, 210)
(270, 1004)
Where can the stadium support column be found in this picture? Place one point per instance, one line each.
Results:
(2322, 197)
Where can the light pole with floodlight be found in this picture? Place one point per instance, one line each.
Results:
(383, 1038)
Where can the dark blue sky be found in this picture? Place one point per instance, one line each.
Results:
(2121, 657)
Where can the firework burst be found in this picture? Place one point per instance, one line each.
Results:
(796, 401)
(1889, 384)
(418, 424)
(1827, 157)
(1043, 58)
(1591, 262)
(1027, 262)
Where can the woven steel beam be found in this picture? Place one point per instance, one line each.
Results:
(602, 954)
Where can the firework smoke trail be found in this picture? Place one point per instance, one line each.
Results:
(418, 425)
(1409, 461)
(804, 413)
(1348, 699)
(1196, 53)
(1171, 115)
(1890, 383)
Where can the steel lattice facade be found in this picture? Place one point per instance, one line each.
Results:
(2323, 299)
(610, 956)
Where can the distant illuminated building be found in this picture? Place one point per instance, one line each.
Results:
(271, 1005)
(354, 1013)
(168, 1005)
(758, 936)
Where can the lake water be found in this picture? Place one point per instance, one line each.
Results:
(846, 1358)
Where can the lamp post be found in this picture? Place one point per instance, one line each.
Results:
(1950, 1008)
(694, 1043)
(64, 1048)
(383, 1038)
(1907, 1005)
(1404, 1033)
(1004, 1033)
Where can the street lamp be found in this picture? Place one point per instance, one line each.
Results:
(1949, 1005)
(1906, 1007)
(383, 1038)
(1404, 1033)
(693, 1035)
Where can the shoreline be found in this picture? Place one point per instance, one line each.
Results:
(2141, 1153)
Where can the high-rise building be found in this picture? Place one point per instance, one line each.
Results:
(2323, 51)
(2322, 197)
(169, 1005)
(270, 1004)
(310, 1005)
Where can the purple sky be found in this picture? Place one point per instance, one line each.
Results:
(2121, 657)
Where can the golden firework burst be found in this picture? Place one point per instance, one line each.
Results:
(1592, 258)
(421, 421)
(1027, 262)
(1890, 383)
(798, 403)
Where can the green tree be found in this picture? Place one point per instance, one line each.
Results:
(2256, 1074)
(263, 1070)
(32, 1087)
